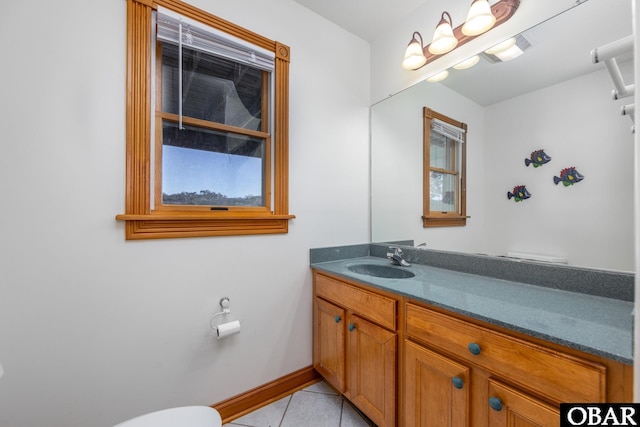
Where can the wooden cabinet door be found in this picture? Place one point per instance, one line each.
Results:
(513, 408)
(437, 389)
(329, 342)
(372, 358)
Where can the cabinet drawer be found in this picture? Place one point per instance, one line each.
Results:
(381, 310)
(558, 376)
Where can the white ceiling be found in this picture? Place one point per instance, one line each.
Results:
(560, 46)
(364, 18)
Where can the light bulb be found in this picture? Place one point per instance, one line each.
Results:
(443, 38)
(414, 56)
(479, 19)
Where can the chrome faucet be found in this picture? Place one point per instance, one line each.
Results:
(396, 257)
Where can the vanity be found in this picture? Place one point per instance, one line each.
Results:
(468, 340)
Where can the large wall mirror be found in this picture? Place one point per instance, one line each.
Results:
(552, 98)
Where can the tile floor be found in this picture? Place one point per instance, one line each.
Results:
(315, 406)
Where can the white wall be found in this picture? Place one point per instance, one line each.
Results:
(95, 329)
(577, 124)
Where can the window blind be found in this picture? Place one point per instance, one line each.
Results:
(196, 35)
(447, 130)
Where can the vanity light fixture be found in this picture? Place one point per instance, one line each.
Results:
(467, 63)
(479, 20)
(445, 39)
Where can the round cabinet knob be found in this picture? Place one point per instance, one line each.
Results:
(351, 327)
(457, 382)
(337, 319)
(495, 403)
(474, 348)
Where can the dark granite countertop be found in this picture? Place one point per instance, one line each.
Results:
(590, 322)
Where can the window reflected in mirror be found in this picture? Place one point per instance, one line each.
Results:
(444, 170)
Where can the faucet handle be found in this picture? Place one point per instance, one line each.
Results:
(396, 257)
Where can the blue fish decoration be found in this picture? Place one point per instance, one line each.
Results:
(538, 158)
(568, 176)
(519, 193)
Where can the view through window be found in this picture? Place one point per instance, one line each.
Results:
(202, 163)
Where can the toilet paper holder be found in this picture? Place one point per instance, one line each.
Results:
(225, 329)
(224, 303)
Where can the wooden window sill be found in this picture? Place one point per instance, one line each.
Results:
(428, 221)
(165, 226)
(199, 216)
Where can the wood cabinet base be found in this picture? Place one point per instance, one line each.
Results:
(355, 345)
(385, 352)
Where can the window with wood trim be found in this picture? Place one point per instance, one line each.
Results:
(207, 125)
(444, 179)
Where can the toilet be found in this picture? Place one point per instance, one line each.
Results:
(185, 416)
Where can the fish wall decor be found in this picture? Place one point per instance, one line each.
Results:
(568, 176)
(519, 193)
(537, 158)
